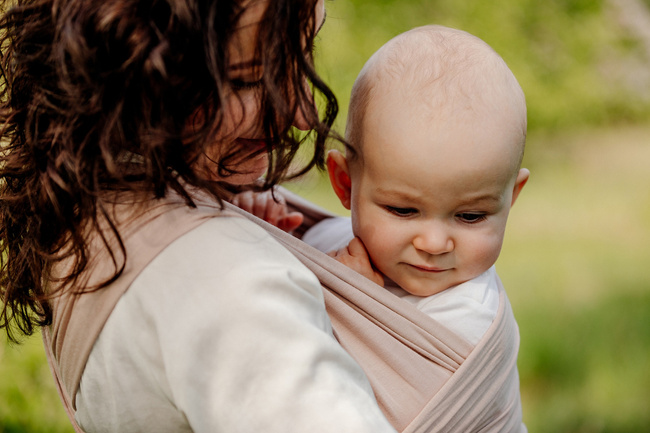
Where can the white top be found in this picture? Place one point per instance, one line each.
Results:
(225, 331)
(467, 309)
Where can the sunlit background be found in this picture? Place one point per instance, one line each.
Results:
(576, 258)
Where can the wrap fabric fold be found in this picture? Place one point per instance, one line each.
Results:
(425, 378)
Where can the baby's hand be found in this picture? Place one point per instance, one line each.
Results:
(262, 205)
(355, 257)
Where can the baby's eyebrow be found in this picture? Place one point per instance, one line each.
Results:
(487, 198)
(393, 194)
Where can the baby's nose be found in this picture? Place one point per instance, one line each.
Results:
(434, 240)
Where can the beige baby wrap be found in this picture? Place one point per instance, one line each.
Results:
(425, 378)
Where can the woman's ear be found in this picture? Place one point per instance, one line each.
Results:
(522, 178)
(337, 168)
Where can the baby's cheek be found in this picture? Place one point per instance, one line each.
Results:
(484, 253)
(382, 251)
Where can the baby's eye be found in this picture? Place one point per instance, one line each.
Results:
(239, 85)
(401, 211)
(471, 218)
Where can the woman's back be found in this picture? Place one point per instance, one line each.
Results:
(228, 307)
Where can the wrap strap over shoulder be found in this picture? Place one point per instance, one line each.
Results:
(79, 318)
(425, 378)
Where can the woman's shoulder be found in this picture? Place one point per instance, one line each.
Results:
(227, 253)
(216, 290)
(231, 240)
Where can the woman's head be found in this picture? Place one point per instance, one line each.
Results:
(109, 76)
(251, 66)
(146, 95)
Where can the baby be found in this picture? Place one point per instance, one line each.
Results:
(435, 136)
(436, 132)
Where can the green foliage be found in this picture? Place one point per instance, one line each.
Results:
(575, 266)
(578, 65)
(585, 370)
(28, 398)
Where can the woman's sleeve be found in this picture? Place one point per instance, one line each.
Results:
(245, 340)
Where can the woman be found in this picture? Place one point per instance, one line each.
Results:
(121, 119)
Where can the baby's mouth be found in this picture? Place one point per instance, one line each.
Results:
(429, 269)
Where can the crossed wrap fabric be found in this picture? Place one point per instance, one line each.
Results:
(425, 378)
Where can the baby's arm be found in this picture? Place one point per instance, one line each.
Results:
(355, 256)
(264, 206)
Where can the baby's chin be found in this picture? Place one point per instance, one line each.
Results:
(427, 288)
(425, 292)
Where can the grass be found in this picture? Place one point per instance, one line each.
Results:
(575, 263)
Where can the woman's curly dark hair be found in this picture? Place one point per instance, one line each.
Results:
(96, 96)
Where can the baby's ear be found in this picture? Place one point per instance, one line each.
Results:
(522, 178)
(337, 168)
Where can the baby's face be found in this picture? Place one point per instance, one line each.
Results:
(431, 198)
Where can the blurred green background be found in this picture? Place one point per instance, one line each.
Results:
(576, 257)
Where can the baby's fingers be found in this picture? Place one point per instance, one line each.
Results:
(291, 221)
(244, 200)
(264, 207)
(356, 256)
(358, 250)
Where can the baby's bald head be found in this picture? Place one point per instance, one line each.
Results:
(448, 74)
